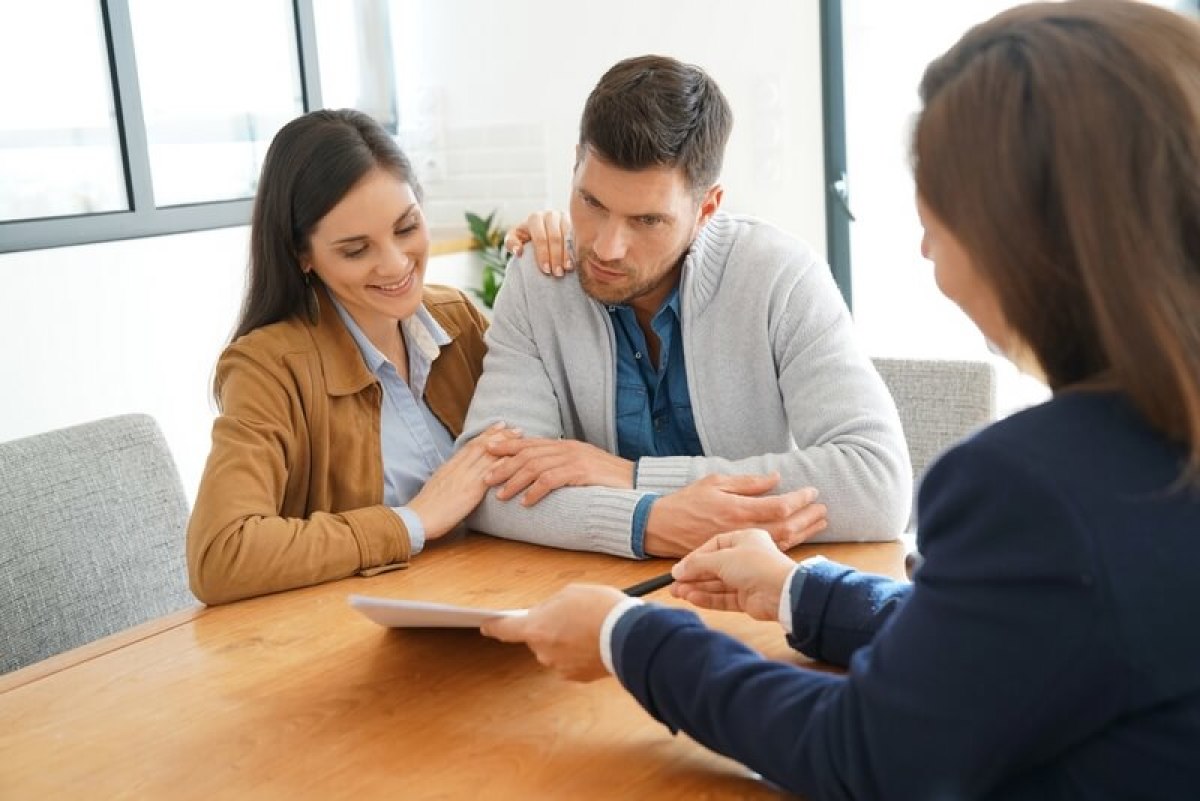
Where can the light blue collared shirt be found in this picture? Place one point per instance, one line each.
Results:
(413, 441)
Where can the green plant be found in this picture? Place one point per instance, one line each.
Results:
(488, 237)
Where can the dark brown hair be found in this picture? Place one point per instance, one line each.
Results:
(311, 164)
(1060, 143)
(655, 111)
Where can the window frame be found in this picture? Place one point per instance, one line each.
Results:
(837, 193)
(143, 218)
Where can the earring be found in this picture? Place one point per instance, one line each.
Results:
(312, 306)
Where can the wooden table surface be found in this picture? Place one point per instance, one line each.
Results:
(296, 695)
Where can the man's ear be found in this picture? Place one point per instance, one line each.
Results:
(709, 204)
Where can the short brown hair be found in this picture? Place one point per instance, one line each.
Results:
(655, 111)
(1060, 142)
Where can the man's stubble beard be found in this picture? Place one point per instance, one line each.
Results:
(602, 293)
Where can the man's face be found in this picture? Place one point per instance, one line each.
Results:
(632, 228)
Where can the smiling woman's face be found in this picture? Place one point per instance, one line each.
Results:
(371, 251)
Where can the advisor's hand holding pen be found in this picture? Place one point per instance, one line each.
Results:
(564, 631)
(740, 571)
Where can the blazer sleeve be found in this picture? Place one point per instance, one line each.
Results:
(515, 387)
(239, 543)
(999, 660)
(838, 610)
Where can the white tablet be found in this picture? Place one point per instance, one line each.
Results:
(399, 613)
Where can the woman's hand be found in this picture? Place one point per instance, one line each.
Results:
(739, 571)
(458, 486)
(550, 233)
(564, 631)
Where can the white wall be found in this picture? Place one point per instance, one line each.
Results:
(465, 65)
(136, 326)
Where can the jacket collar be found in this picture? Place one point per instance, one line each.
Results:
(346, 372)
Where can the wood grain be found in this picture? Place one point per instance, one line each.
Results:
(297, 696)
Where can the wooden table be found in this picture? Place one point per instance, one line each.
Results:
(297, 695)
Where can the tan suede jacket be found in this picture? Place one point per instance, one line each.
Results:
(292, 492)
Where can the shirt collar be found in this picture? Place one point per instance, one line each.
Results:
(671, 301)
(425, 333)
(423, 337)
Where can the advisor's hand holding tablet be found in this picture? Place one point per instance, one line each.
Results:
(400, 613)
(564, 631)
(736, 571)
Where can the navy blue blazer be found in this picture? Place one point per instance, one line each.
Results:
(1047, 648)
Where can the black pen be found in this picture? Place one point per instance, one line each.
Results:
(649, 585)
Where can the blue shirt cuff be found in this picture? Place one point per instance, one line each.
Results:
(416, 529)
(641, 514)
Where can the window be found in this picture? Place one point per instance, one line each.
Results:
(139, 120)
(217, 80)
(897, 306)
(145, 117)
(60, 150)
(357, 66)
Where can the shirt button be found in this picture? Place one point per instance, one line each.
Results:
(637, 354)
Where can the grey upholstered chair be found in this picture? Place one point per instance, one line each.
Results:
(940, 402)
(92, 523)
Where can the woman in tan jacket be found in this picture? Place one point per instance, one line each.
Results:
(346, 382)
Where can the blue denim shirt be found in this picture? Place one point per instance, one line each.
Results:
(413, 441)
(654, 408)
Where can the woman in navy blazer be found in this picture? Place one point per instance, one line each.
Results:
(1048, 646)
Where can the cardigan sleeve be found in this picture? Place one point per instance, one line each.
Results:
(841, 422)
(999, 660)
(239, 543)
(516, 389)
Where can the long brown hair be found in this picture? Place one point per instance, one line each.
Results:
(311, 164)
(1060, 142)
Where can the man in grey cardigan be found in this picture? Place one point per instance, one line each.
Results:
(697, 372)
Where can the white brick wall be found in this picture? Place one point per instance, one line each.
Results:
(479, 168)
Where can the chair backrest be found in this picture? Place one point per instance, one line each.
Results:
(92, 525)
(940, 401)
